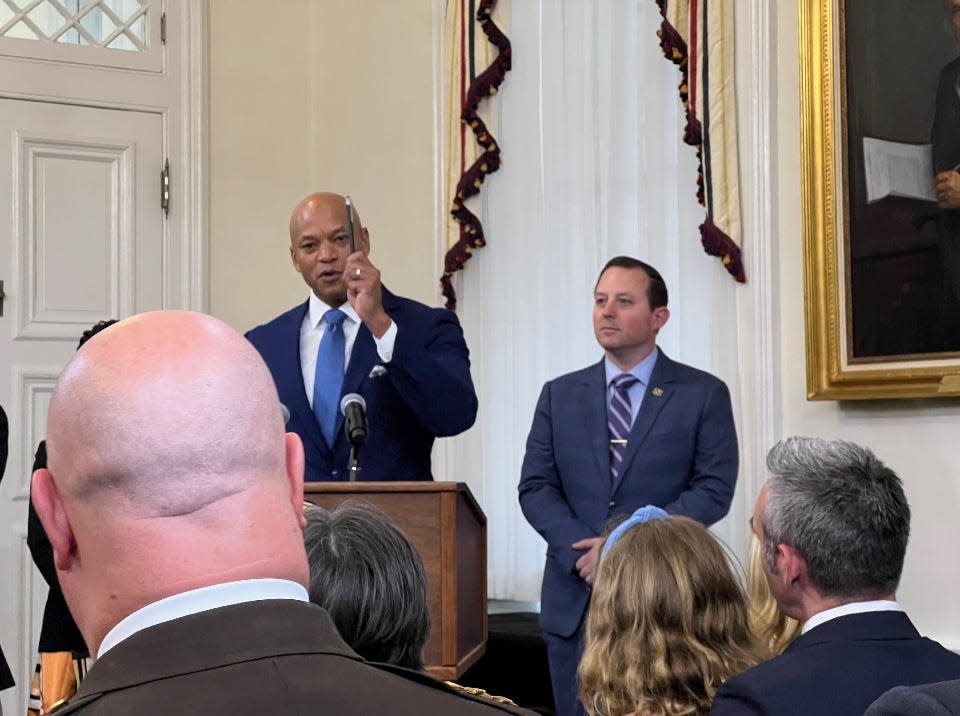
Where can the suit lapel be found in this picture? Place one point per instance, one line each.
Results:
(593, 395)
(655, 396)
(362, 358)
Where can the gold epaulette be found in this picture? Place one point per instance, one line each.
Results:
(473, 691)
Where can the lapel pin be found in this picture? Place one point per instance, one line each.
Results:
(657, 392)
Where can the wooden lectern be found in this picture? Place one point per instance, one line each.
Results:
(449, 530)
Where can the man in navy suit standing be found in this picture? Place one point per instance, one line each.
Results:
(833, 522)
(634, 429)
(409, 362)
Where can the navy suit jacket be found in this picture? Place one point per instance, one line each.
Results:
(838, 668)
(940, 699)
(681, 455)
(424, 392)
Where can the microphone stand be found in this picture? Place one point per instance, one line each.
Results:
(355, 427)
(354, 465)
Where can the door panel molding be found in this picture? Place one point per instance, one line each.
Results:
(33, 388)
(43, 314)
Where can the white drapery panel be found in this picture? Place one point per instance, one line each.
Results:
(593, 167)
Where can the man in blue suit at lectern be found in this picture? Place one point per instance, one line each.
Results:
(407, 361)
(634, 429)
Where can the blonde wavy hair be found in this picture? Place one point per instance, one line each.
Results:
(667, 623)
(773, 628)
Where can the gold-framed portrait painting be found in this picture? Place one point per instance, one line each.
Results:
(880, 148)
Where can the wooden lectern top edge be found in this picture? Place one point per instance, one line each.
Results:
(359, 488)
(412, 486)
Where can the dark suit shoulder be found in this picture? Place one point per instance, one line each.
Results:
(950, 69)
(591, 372)
(917, 700)
(851, 659)
(946, 692)
(294, 315)
(397, 306)
(667, 368)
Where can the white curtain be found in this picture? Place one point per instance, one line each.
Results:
(593, 166)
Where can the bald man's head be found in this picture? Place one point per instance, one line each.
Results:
(320, 244)
(168, 469)
(168, 411)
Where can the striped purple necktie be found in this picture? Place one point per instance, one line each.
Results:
(619, 419)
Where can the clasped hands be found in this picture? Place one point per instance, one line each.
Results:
(587, 564)
(947, 188)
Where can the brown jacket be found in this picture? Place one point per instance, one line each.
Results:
(266, 657)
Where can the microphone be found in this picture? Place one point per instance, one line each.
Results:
(353, 407)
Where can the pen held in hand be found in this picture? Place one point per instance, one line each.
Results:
(350, 223)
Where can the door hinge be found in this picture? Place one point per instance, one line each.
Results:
(165, 188)
(163, 28)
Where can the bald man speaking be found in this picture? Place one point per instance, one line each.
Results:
(173, 502)
(407, 361)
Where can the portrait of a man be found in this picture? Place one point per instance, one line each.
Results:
(903, 259)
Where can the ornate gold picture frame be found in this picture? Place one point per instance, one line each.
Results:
(873, 268)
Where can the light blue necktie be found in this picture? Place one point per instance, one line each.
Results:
(328, 380)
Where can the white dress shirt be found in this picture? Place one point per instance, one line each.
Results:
(200, 600)
(313, 328)
(880, 605)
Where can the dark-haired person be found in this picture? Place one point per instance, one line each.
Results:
(834, 522)
(634, 429)
(6, 678)
(370, 579)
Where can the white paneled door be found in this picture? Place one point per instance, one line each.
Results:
(81, 240)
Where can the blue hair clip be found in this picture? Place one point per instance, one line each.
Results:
(641, 515)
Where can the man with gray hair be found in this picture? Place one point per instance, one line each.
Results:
(370, 579)
(834, 521)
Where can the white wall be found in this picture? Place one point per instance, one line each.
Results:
(918, 439)
(311, 95)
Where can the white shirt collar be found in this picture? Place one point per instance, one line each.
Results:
(200, 600)
(880, 605)
(317, 308)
